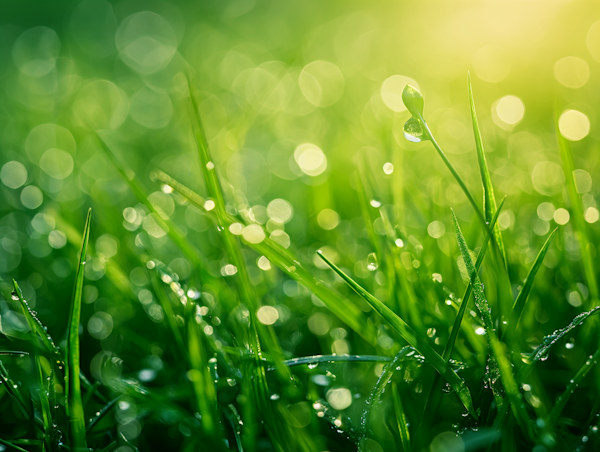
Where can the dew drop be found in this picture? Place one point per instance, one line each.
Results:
(413, 131)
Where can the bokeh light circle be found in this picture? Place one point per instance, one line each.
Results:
(574, 125)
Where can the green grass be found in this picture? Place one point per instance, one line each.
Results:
(228, 295)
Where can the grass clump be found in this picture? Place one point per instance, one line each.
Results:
(202, 308)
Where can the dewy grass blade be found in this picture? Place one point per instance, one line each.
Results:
(347, 312)
(401, 419)
(489, 200)
(73, 389)
(41, 381)
(384, 379)
(497, 348)
(37, 329)
(410, 336)
(578, 218)
(519, 303)
(562, 400)
(335, 359)
(463, 306)
(206, 397)
(105, 409)
(242, 279)
(541, 352)
(433, 400)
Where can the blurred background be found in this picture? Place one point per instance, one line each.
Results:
(294, 96)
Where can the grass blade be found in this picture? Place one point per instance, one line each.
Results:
(433, 400)
(245, 288)
(519, 303)
(37, 329)
(73, 386)
(489, 200)
(382, 382)
(401, 419)
(541, 353)
(499, 358)
(317, 359)
(578, 217)
(11, 446)
(41, 381)
(463, 306)
(410, 336)
(105, 409)
(562, 400)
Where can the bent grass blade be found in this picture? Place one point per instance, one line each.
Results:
(410, 336)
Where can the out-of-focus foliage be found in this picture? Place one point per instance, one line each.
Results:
(301, 103)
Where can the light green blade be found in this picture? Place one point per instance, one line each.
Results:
(519, 303)
(410, 336)
(489, 200)
(73, 387)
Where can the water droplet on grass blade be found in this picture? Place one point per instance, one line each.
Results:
(388, 168)
(372, 264)
(413, 131)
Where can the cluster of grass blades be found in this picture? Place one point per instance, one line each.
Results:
(476, 386)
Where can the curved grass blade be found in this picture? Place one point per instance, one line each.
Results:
(236, 424)
(11, 446)
(33, 322)
(318, 359)
(12, 352)
(401, 419)
(37, 329)
(105, 409)
(499, 357)
(12, 389)
(410, 336)
(382, 382)
(73, 387)
(541, 353)
(489, 200)
(578, 216)
(562, 400)
(348, 313)
(519, 303)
